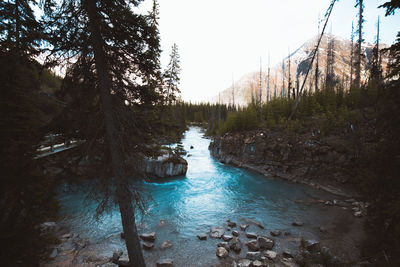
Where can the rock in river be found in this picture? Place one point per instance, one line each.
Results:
(222, 252)
(166, 165)
(236, 245)
(265, 242)
(253, 255)
(243, 227)
(165, 263)
(148, 245)
(251, 235)
(227, 237)
(217, 232)
(150, 237)
(253, 245)
(202, 236)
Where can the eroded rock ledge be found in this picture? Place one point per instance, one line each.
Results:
(304, 158)
(166, 165)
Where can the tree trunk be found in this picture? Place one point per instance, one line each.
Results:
(114, 142)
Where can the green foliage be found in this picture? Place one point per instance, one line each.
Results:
(242, 120)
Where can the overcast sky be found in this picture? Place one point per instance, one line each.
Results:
(218, 38)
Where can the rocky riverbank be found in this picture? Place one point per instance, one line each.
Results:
(304, 158)
(249, 243)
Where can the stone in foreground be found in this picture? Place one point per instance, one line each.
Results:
(202, 236)
(222, 252)
(217, 232)
(297, 223)
(236, 245)
(243, 227)
(235, 233)
(224, 245)
(227, 237)
(165, 245)
(257, 263)
(123, 260)
(165, 263)
(253, 245)
(265, 242)
(275, 233)
(271, 254)
(253, 255)
(148, 245)
(150, 237)
(251, 235)
(244, 263)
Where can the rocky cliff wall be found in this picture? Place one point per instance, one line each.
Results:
(303, 158)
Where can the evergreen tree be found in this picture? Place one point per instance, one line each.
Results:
(330, 61)
(26, 195)
(171, 76)
(351, 54)
(117, 69)
(360, 5)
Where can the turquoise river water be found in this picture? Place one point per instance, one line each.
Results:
(208, 195)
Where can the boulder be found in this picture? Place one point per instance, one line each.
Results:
(164, 166)
(257, 263)
(166, 244)
(235, 233)
(275, 233)
(150, 237)
(253, 255)
(116, 255)
(148, 245)
(231, 224)
(202, 236)
(217, 232)
(222, 252)
(236, 245)
(312, 245)
(244, 263)
(253, 245)
(165, 263)
(270, 254)
(287, 254)
(265, 242)
(251, 235)
(243, 227)
(123, 261)
(227, 237)
(260, 225)
(224, 245)
(297, 223)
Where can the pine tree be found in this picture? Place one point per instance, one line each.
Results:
(351, 54)
(117, 70)
(376, 64)
(317, 59)
(357, 81)
(330, 61)
(26, 195)
(171, 76)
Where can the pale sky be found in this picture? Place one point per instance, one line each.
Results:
(218, 38)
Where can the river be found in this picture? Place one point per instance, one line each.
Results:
(208, 195)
